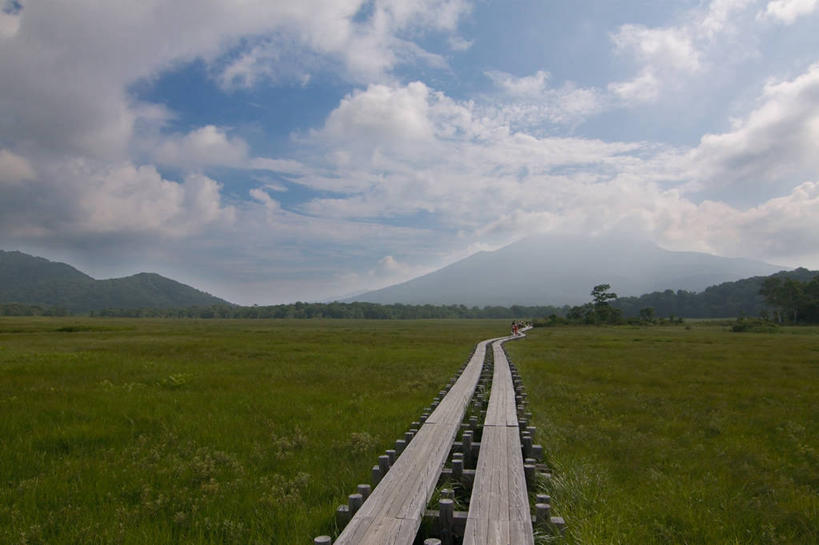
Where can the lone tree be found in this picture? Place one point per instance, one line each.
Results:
(603, 311)
(601, 295)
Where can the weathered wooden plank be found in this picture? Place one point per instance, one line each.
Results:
(502, 409)
(393, 512)
(521, 532)
(518, 494)
(499, 506)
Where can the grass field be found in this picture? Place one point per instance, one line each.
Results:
(677, 435)
(204, 432)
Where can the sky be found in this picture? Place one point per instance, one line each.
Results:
(269, 151)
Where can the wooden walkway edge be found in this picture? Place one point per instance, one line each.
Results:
(393, 512)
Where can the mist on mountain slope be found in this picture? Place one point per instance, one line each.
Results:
(561, 270)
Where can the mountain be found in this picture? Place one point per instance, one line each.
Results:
(561, 270)
(37, 281)
(726, 300)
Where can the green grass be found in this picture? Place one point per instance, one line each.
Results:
(205, 432)
(222, 432)
(678, 435)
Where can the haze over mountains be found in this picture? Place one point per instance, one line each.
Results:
(561, 270)
(38, 281)
(540, 270)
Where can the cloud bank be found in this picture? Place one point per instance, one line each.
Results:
(405, 171)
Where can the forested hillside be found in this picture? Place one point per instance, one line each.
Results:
(30, 280)
(729, 299)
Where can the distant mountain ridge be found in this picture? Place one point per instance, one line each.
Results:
(37, 281)
(725, 300)
(561, 270)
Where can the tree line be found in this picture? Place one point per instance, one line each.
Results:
(21, 309)
(603, 309)
(785, 297)
(301, 310)
(726, 300)
(782, 298)
(792, 301)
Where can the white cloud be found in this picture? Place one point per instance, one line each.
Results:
(459, 43)
(208, 145)
(14, 168)
(66, 69)
(411, 173)
(485, 184)
(382, 113)
(664, 53)
(366, 48)
(280, 59)
(9, 24)
(389, 271)
(138, 200)
(212, 146)
(530, 101)
(718, 17)
(452, 160)
(286, 166)
(263, 197)
(788, 11)
(773, 145)
(643, 88)
(77, 198)
(526, 86)
(669, 57)
(667, 47)
(781, 230)
(390, 263)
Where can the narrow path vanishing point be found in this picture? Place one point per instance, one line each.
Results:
(499, 508)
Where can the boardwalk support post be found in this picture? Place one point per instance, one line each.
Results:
(542, 511)
(322, 540)
(446, 508)
(559, 523)
(364, 490)
(527, 444)
(342, 516)
(354, 502)
(383, 464)
(457, 469)
(466, 440)
(529, 472)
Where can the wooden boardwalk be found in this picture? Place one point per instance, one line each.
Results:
(393, 512)
(499, 508)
